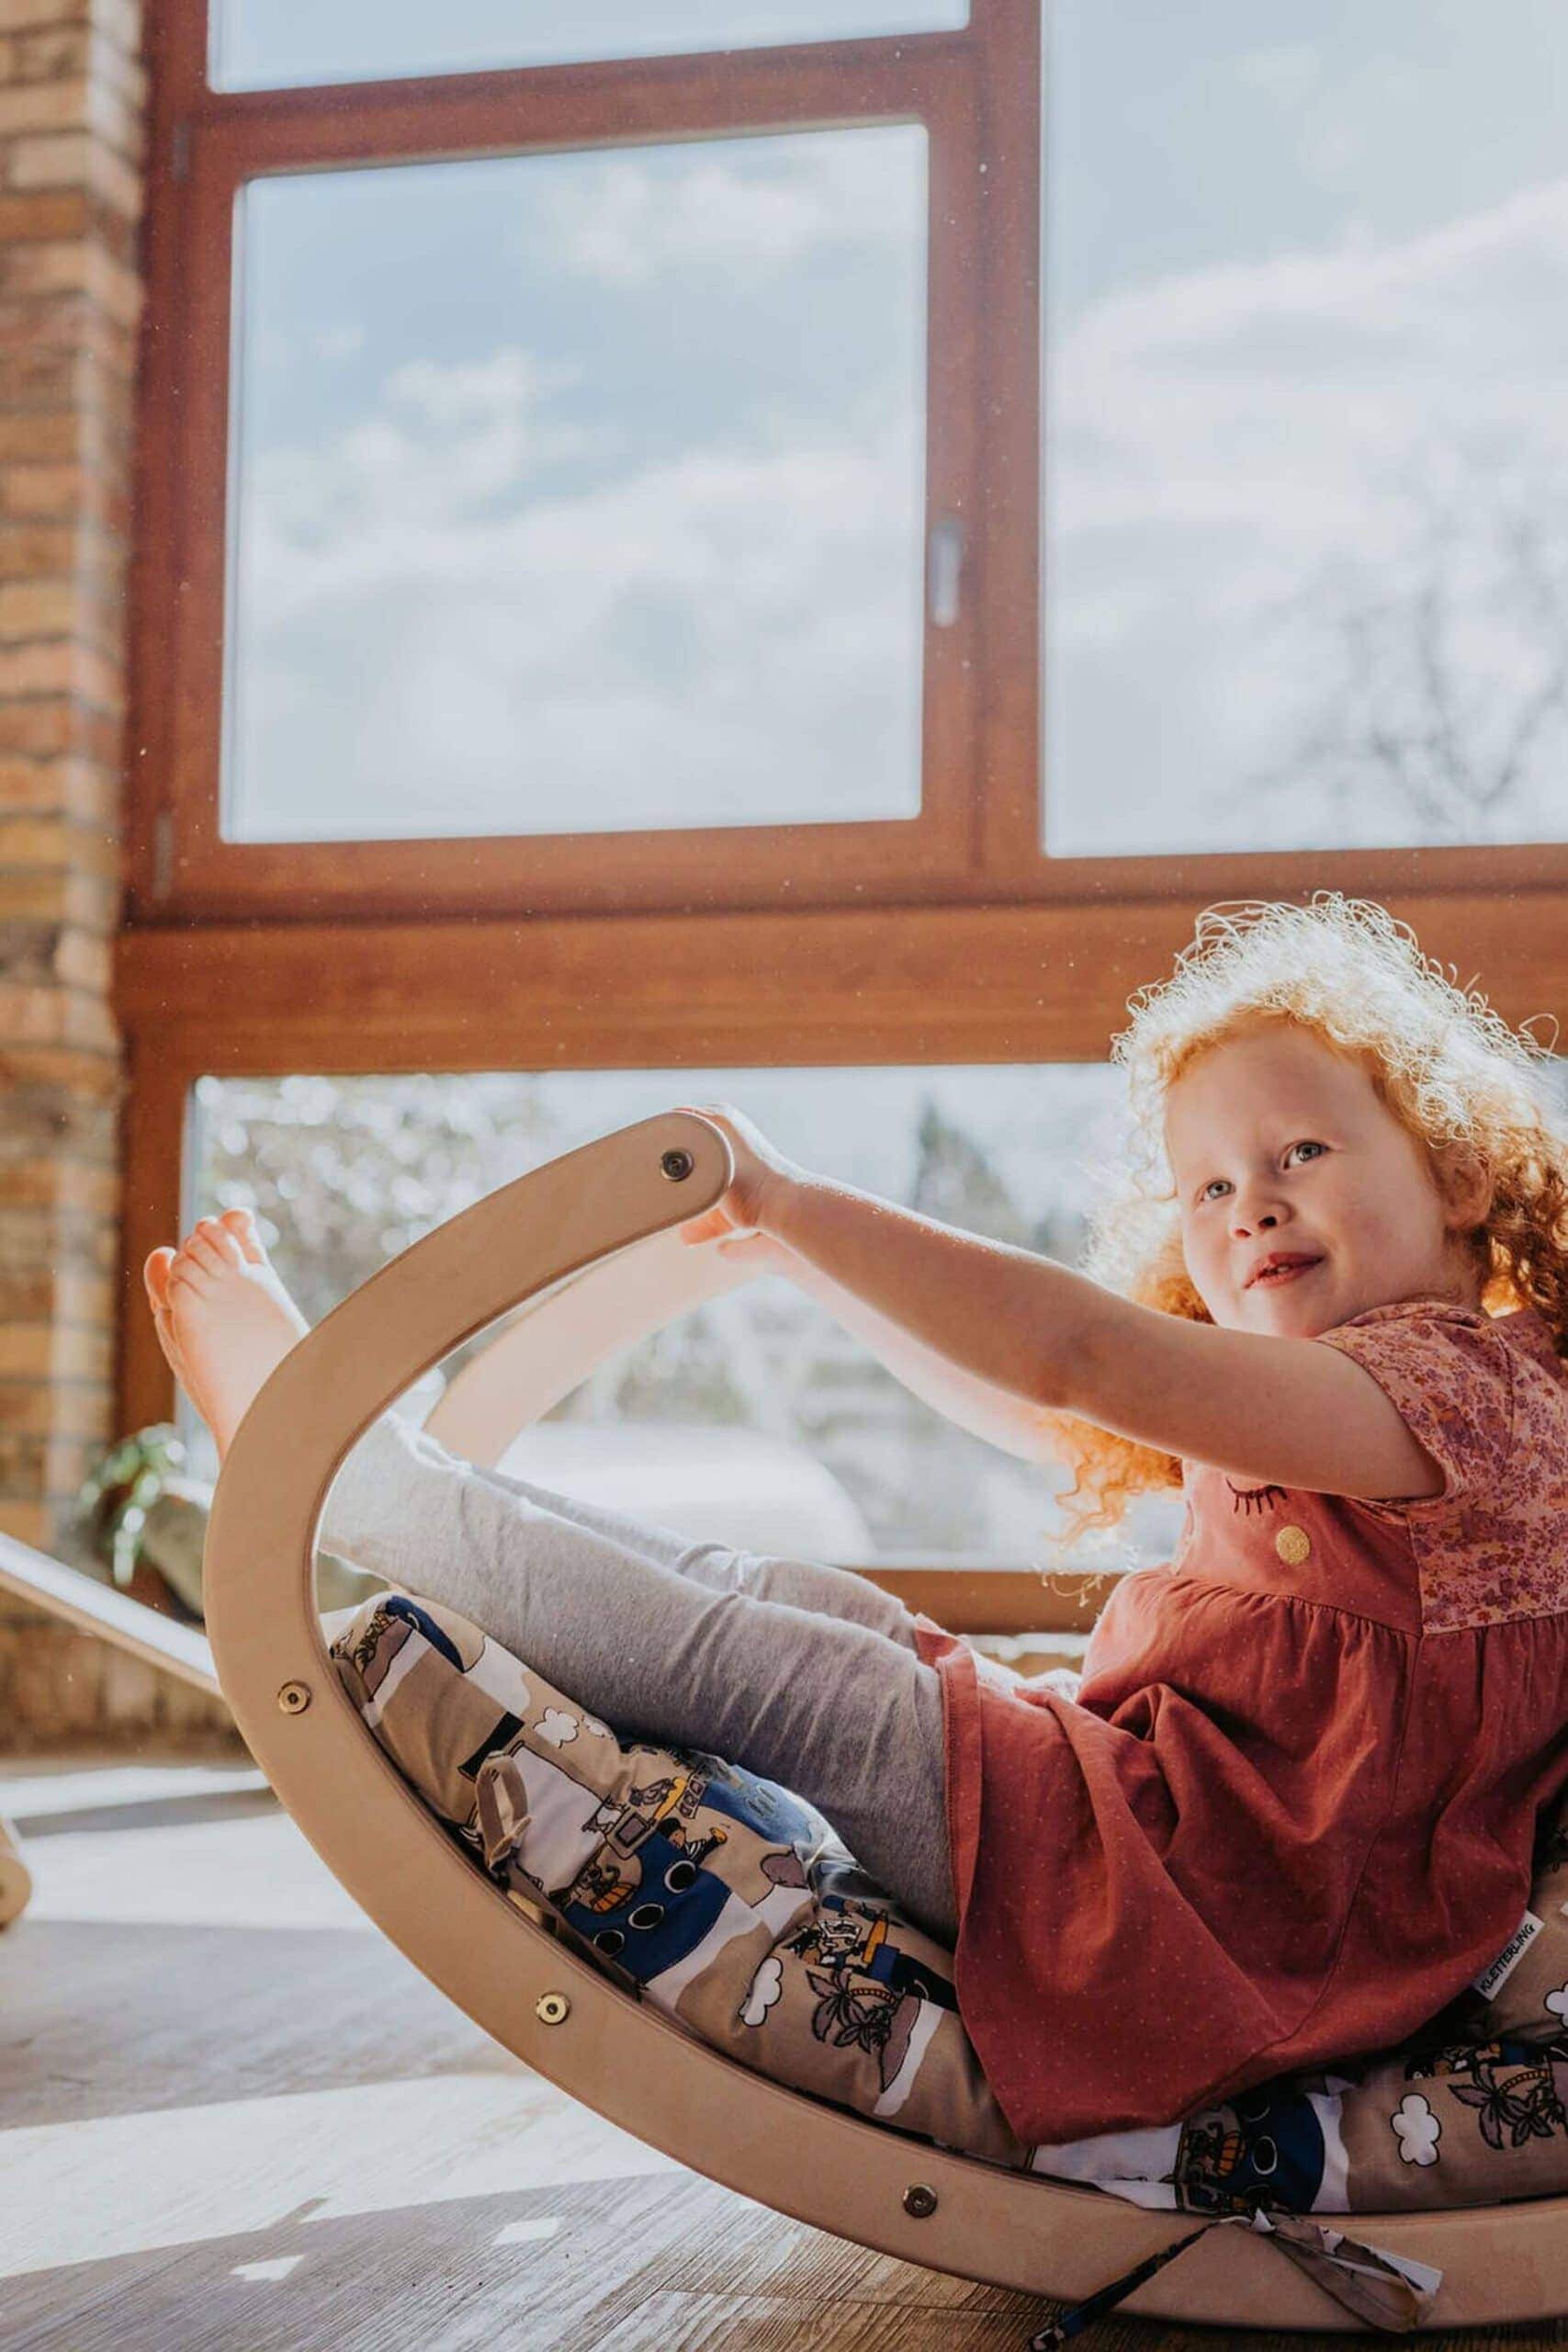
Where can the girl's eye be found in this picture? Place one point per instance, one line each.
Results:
(1206, 1192)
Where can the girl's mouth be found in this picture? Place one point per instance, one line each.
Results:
(1274, 1275)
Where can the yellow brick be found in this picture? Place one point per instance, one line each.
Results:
(27, 1349)
(27, 1523)
(56, 52)
(89, 1300)
(17, 14)
(59, 1410)
(69, 1458)
(31, 784)
(95, 1077)
(61, 665)
(129, 1693)
(50, 842)
(38, 437)
(85, 961)
(75, 159)
(44, 106)
(61, 213)
(33, 1016)
(116, 117)
(28, 549)
(44, 490)
(57, 894)
(45, 1351)
(61, 1184)
(37, 607)
(57, 1682)
(79, 265)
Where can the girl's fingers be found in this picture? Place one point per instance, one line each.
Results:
(709, 1226)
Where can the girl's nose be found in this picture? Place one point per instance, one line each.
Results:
(1256, 1212)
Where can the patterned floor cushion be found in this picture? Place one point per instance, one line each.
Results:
(729, 1903)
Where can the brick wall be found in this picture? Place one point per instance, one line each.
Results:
(71, 136)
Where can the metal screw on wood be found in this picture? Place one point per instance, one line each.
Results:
(920, 2202)
(553, 2008)
(294, 1698)
(677, 1166)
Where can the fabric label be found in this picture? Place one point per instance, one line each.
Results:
(1508, 1959)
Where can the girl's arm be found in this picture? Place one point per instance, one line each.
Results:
(987, 1412)
(993, 1314)
(1282, 1411)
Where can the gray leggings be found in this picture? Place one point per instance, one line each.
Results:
(801, 1672)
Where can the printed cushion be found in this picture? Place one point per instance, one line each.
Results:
(732, 1903)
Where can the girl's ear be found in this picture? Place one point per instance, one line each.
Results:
(1466, 1184)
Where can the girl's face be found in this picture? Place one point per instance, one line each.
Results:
(1279, 1146)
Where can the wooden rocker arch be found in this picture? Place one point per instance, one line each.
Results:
(587, 1241)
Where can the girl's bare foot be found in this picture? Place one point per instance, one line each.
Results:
(225, 1321)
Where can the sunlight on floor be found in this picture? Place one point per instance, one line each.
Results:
(257, 1873)
(192, 2173)
(189, 2173)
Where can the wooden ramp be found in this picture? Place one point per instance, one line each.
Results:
(94, 1608)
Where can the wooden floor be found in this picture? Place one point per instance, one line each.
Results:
(216, 2131)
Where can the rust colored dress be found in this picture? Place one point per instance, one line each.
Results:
(1291, 1812)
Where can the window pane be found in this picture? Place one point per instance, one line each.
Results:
(263, 45)
(580, 492)
(755, 1419)
(1307, 526)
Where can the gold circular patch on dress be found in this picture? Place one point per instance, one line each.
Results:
(1294, 1544)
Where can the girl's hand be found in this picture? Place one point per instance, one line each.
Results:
(759, 1171)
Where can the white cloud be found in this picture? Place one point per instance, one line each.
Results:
(1286, 72)
(433, 623)
(557, 1726)
(1226, 441)
(764, 1990)
(1417, 2129)
(732, 204)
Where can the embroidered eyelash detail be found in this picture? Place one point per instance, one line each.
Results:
(1256, 1498)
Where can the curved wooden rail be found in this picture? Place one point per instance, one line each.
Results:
(618, 2055)
(566, 1332)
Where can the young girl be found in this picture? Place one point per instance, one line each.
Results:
(1290, 1811)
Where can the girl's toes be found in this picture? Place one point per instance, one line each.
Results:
(213, 1246)
(241, 1224)
(155, 1274)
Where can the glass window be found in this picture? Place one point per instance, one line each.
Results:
(579, 492)
(755, 1419)
(268, 44)
(1307, 330)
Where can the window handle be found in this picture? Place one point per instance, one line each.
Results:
(944, 569)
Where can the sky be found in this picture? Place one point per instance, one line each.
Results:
(584, 491)
(260, 44)
(581, 492)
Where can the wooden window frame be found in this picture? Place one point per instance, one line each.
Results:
(206, 145)
(977, 837)
(887, 986)
(820, 946)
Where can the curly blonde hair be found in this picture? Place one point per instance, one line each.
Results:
(1447, 1066)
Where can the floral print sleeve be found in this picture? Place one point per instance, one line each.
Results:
(1450, 1377)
